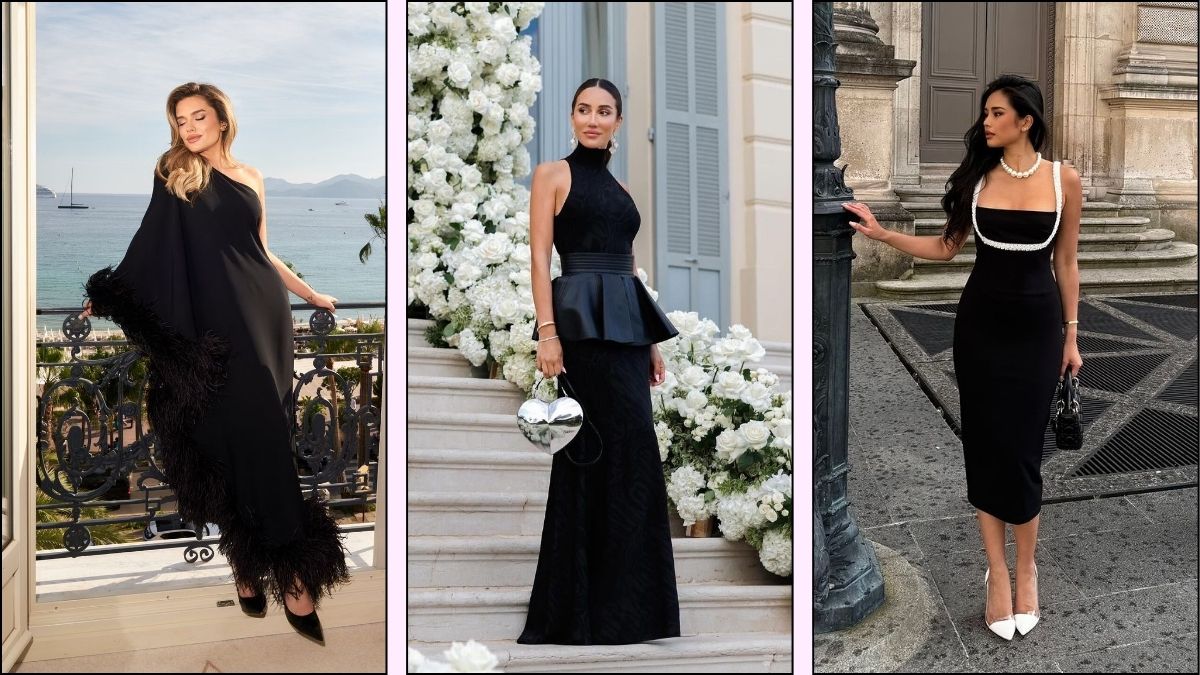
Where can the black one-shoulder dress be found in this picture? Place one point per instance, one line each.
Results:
(198, 295)
(606, 569)
(1008, 346)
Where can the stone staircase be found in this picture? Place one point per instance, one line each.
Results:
(1117, 254)
(476, 504)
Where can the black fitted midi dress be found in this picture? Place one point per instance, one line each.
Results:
(606, 569)
(198, 295)
(1008, 346)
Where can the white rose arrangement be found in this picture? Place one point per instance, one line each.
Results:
(725, 437)
(471, 657)
(472, 81)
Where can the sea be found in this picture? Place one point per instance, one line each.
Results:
(319, 238)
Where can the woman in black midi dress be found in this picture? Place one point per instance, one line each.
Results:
(1015, 329)
(606, 570)
(199, 293)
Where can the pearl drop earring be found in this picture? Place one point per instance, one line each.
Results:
(574, 141)
(612, 145)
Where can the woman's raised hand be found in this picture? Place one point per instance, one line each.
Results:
(866, 225)
(87, 309)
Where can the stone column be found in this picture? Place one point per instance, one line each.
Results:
(1151, 97)
(868, 72)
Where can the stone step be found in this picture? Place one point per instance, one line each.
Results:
(416, 332)
(932, 208)
(703, 653)
(949, 285)
(426, 361)
(498, 613)
(449, 561)
(1180, 254)
(1148, 240)
(460, 394)
(462, 513)
(468, 430)
(438, 470)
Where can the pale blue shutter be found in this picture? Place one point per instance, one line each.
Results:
(560, 36)
(690, 159)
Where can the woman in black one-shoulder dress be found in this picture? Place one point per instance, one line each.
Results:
(201, 295)
(1015, 329)
(606, 570)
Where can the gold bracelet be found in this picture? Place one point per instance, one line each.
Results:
(544, 325)
(1067, 323)
(552, 337)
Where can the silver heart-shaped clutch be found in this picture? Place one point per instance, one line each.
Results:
(550, 426)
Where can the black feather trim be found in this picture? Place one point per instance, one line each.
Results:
(183, 377)
(316, 556)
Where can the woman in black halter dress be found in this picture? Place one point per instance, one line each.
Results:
(1015, 329)
(606, 570)
(200, 294)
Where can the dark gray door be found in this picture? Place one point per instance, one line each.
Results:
(965, 45)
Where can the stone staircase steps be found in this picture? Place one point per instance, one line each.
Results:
(448, 394)
(472, 561)
(949, 285)
(498, 613)
(526, 471)
(475, 513)
(709, 653)
(1181, 253)
(432, 361)
(469, 430)
(416, 333)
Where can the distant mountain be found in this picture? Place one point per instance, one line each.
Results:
(347, 185)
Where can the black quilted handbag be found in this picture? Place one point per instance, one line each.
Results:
(1068, 415)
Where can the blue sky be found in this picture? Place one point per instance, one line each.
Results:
(306, 80)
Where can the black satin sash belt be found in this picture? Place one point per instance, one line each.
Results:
(603, 263)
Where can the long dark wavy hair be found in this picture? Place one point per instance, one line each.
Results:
(1026, 98)
(606, 86)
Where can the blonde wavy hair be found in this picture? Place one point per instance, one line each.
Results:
(186, 172)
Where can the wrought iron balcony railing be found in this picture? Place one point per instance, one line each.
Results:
(95, 449)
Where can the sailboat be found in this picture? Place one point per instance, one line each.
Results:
(72, 205)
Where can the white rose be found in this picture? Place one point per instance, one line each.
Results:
(757, 395)
(495, 248)
(466, 274)
(694, 377)
(459, 74)
(424, 208)
(756, 433)
(470, 176)
(696, 400)
(507, 74)
(729, 385)
(490, 51)
(507, 310)
(503, 29)
(730, 445)
(427, 260)
(471, 657)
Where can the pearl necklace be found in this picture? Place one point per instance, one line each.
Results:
(1021, 174)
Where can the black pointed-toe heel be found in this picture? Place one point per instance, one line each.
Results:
(308, 625)
(254, 606)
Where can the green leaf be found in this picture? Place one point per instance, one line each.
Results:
(448, 277)
(746, 460)
(448, 330)
(709, 495)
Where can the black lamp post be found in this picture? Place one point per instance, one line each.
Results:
(847, 583)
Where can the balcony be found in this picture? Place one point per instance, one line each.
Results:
(101, 494)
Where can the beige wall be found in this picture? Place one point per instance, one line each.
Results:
(759, 72)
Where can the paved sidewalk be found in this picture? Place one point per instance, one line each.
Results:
(1118, 575)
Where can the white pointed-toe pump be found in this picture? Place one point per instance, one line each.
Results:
(1027, 620)
(1004, 626)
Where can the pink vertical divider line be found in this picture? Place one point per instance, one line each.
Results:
(802, 337)
(397, 343)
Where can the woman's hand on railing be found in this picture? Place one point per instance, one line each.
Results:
(321, 300)
(87, 310)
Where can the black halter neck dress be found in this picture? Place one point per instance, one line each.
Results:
(606, 569)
